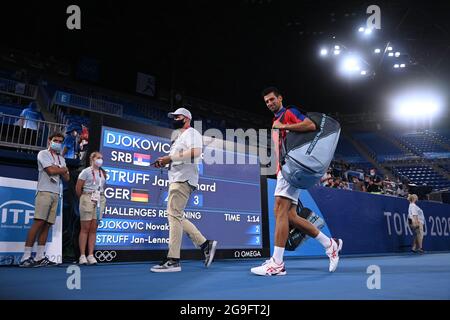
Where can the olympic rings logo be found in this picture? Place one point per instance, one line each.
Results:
(105, 255)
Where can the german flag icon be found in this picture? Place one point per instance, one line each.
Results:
(139, 195)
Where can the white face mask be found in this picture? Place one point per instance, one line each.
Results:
(99, 162)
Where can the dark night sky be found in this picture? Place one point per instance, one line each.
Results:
(227, 51)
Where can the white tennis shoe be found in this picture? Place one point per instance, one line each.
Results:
(333, 253)
(269, 268)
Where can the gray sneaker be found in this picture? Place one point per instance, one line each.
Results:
(209, 252)
(44, 262)
(28, 263)
(168, 265)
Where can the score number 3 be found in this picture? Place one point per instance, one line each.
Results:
(196, 200)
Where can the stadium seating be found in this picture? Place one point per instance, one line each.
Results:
(379, 148)
(347, 152)
(442, 136)
(422, 174)
(422, 143)
(446, 167)
(131, 110)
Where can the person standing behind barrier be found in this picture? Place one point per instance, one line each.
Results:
(416, 220)
(90, 189)
(183, 179)
(29, 122)
(52, 168)
(71, 143)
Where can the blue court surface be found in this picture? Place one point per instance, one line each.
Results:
(402, 277)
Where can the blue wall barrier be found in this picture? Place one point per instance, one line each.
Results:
(11, 171)
(368, 223)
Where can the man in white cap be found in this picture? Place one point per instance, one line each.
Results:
(183, 179)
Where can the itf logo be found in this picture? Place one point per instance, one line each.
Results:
(16, 218)
(16, 212)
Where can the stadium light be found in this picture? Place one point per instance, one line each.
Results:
(368, 32)
(389, 48)
(350, 65)
(417, 103)
(377, 50)
(336, 52)
(390, 54)
(396, 66)
(402, 65)
(361, 29)
(397, 54)
(323, 52)
(337, 47)
(363, 72)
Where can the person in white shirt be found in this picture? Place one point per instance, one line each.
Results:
(90, 189)
(52, 170)
(182, 163)
(416, 220)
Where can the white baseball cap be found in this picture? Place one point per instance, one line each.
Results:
(180, 111)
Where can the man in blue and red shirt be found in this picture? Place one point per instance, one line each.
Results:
(286, 196)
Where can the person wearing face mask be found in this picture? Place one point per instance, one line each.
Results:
(52, 168)
(90, 189)
(183, 180)
(376, 178)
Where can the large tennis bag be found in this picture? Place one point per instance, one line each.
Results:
(296, 237)
(306, 156)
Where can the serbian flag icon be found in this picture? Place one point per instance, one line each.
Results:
(139, 195)
(141, 159)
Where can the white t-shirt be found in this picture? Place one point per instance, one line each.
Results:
(414, 210)
(94, 180)
(187, 170)
(45, 159)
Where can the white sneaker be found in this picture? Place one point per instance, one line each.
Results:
(270, 268)
(82, 260)
(168, 265)
(333, 253)
(91, 260)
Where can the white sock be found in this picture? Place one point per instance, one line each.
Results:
(26, 253)
(324, 240)
(40, 253)
(278, 253)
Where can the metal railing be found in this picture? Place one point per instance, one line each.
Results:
(88, 103)
(22, 133)
(17, 88)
